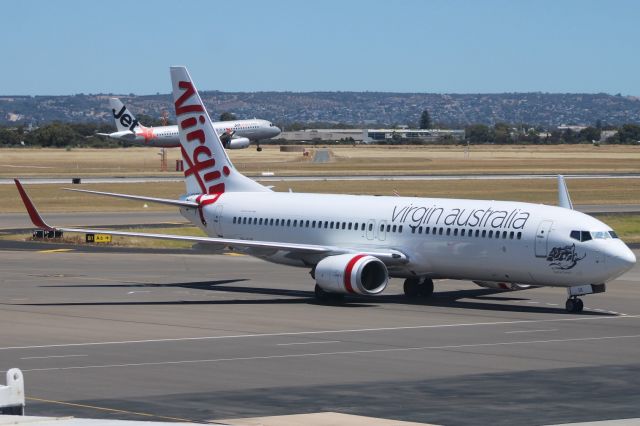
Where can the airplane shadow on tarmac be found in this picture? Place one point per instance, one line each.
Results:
(477, 299)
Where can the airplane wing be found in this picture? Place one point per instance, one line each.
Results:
(389, 256)
(178, 203)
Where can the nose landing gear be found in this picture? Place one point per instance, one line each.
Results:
(574, 305)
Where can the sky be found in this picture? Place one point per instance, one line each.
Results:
(563, 46)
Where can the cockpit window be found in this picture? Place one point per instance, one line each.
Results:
(613, 234)
(581, 235)
(601, 235)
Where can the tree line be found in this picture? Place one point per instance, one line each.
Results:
(63, 135)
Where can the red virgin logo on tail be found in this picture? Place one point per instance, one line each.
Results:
(202, 157)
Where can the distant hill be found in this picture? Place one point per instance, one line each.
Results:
(358, 108)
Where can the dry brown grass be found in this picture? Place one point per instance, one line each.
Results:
(346, 160)
(50, 198)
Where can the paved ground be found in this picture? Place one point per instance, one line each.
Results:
(197, 337)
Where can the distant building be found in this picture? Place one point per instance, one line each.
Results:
(606, 134)
(575, 129)
(372, 135)
(426, 135)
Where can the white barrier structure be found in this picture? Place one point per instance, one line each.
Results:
(12, 395)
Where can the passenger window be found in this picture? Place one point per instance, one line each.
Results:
(388, 228)
(511, 235)
(306, 224)
(462, 232)
(400, 228)
(455, 232)
(484, 233)
(504, 234)
(344, 225)
(490, 234)
(244, 220)
(440, 231)
(234, 219)
(295, 222)
(277, 222)
(448, 231)
(426, 230)
(326, 224)
(394, 228)
(313, 224)
(271, 222)
(260, 221)
(289, 222)
(350, 226)
(255, 220)
(477, 233)
(331, 225)
(413, 230)
(419, 229)
(519, 235)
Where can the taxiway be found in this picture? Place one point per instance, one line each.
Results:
(202, 337)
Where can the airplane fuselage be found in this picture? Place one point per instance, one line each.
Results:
(168, 137)
(442, 238)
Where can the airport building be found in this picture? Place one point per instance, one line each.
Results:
(373, 135)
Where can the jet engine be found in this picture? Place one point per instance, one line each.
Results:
(502, 286)
(352, 274)
(237, 143)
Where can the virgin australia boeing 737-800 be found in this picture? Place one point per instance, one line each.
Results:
(352, 244)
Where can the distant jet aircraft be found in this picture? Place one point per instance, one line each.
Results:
(353, 244)
(237, 134)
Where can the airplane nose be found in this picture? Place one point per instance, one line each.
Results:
(276, 130)
(622, 260)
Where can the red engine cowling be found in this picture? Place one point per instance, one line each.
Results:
(502, 286)
(352, 274)
(237, 143)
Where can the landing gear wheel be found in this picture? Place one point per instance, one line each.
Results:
(574, 305)
(426, 288)
(411, 288)
(326, 297)
(418, 287)
(259, 148)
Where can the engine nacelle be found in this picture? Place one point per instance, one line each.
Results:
(502, 286)
(352, 274)
(237, 143)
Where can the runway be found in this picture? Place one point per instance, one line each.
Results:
(325, 177)
(201, 338)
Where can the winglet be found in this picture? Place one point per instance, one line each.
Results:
(31, 209)
(564, 200)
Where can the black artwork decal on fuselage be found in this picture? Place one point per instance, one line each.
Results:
(564, 258)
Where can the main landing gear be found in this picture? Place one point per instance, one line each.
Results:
(418, 288)
(574, 305)
(258, 147)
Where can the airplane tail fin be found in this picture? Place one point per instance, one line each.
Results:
(124, 119)
(208, 169)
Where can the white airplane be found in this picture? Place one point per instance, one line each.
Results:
(236, 134)
(353, 244)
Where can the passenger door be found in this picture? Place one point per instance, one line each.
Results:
(542, 236)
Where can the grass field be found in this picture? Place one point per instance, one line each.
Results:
(50, 198)
(365, 160)
(350, 160)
